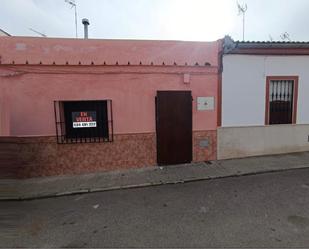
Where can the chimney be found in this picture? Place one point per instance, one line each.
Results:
(85, 22)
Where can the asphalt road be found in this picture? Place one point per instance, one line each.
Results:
(267, 210)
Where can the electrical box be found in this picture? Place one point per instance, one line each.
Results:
(205, 103)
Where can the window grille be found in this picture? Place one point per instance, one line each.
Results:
(281, 101)
(87, 121)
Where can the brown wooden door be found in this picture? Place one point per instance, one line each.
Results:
(174, 127)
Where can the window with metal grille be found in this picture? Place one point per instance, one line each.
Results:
(281, 102)
(88, 121)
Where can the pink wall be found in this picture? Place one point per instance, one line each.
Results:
(30, 90)
(31, 98)
(4, 112)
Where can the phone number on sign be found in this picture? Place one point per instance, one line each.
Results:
(84, 124)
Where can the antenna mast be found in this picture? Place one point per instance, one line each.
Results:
(73, 5)
(242, 11)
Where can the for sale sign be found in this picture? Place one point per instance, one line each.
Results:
(85, 119)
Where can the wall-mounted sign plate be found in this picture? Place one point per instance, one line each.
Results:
(84, 119)
(205, 103)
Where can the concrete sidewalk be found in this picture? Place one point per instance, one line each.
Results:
(67, 185)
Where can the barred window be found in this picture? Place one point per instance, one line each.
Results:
(84, 121)
(281, 102)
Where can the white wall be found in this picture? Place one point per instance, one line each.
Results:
(244, 86)
(236, 142)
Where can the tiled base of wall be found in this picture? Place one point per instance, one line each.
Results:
(26, 157)
(42, 156)
(204, 146)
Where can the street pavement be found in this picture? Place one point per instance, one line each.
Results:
(265, 210)
(42, 187)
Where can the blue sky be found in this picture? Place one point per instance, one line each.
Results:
(197, 20)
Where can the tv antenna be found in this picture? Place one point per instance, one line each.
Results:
(285, 36)
(242, 11)
(73, 5)
(37, 32)
(271, 39)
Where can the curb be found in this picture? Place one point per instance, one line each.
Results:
(141, 185)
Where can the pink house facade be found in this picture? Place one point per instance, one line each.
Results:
(135, 83)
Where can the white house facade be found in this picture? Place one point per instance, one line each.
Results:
(265, 99)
